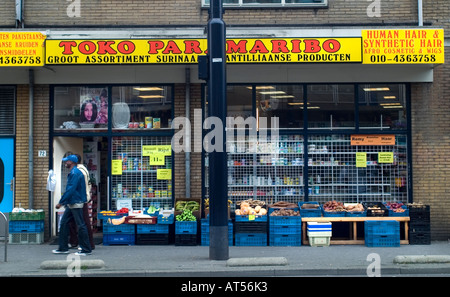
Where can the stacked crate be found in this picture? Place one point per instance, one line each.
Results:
(205, 232)
(382, 233)
(419, 224)
(319, 234)
(155, 234)
(118, 234)
(26, 227)
(185, 232)
(250, 230)
(285, 230)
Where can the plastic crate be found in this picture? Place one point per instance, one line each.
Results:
(334, 213)
(186, 239)
(152, 228)
(152, 239)
(109, 228)
(285, 229)
(392, 213)
(205, 232)
(250, 227)
(419, 213)
(388, 240)
(356, 213)
(117, 239)
(26, 238)
(110, 215)
(251, 218)
(26, 226)
(419, 237)
(317, 241)
(309, 213)
(162, 219)
(318, 226)
(381, 227)
(27, 216)
(382, 212)
(186, 227)
(250, 239)
(285, 220)
(285, 240)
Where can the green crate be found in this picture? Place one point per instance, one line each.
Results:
(27, 216)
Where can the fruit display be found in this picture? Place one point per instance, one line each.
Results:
(207, 203)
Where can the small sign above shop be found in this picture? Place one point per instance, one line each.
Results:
(22, 49)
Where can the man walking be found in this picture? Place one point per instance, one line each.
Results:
(73, 200)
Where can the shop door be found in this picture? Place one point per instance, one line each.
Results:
(6, 174)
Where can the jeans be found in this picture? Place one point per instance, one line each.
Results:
(83, 237)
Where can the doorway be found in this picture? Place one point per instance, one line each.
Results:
(6, 175)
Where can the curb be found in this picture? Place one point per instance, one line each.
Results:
(257, 261)
(422, 259)
(63, 264)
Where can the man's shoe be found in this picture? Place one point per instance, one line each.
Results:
(60, 252)
(81, 253)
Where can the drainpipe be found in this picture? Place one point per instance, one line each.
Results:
(30, 140)
(188, 138)
(19, 13)
(420, 12)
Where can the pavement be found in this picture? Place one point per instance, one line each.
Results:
(243, 261)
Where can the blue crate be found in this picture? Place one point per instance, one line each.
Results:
(165, 219)
(109, 228)
(152, 229)
(186, 227)
(390, 240)
(391, 213)
(285, 229)
(381, 227)
(250, 239)
(285, 240)
(26, 226)
(310, 213)
(356, 213)
(284, 220)
(334, 213)
(112, 239)
(250, 218)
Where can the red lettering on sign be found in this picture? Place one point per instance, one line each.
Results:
(67, 47)
(279, 46)
(87, 47)
(104, 47)
(126, 47)
(192, 46)
(154, 46)
(296, 46)
(172, 47)
(312, 46)
(259, 47)
(331, 45)
(237, 48)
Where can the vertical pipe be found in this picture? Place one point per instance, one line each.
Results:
(218, 198)
(30, 140)
(188, 138)
(420, 12)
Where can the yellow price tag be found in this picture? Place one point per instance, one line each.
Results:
(386, 157)
(164, 174)
(157, 159)
(116, 167)
(361, 159)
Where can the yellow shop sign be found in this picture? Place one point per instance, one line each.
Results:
(410, 46)
(22, 48)
(186, 51)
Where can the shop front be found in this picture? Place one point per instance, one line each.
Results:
(341, 100)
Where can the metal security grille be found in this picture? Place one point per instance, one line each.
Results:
(335, 174)
(269, 170)
(7, 110)
(141, 177)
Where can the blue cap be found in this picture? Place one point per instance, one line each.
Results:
(72, 158)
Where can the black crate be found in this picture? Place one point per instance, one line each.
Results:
(419, 227)
(250, 227)
(186, 239)
(419, 213)
(152, 239)
(381, 212)
(419, 237)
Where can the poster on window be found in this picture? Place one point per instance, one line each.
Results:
(94, 106)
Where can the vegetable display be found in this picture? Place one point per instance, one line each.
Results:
(396, 206)
(354, 207)
(285, 212)
(333, 206)
(251, 207)
(188, 205)
(185, 216)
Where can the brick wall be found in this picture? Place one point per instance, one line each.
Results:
(51, 13)
(430, 113)
(40, 142)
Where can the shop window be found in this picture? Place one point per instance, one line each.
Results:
(80, 108)
(282, 101)
(239, 101)
(270, 3)
(382, 106)
(136, 107)
(331, 106)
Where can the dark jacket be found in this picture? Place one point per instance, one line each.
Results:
(75, 189)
